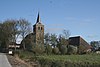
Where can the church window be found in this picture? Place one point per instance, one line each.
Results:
(41, 28)
(38, 28)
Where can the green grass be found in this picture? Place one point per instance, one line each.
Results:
(69, 60)
(90, 60)
(72, 58)
(24, 54)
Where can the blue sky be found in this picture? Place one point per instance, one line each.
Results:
(81, 17)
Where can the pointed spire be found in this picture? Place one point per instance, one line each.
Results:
(38, 19)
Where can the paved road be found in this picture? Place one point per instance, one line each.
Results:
(4, 61)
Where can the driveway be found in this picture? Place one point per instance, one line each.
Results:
(4, 61)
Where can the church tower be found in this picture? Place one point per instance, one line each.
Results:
(38, 30)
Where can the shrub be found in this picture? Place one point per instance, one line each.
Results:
(24, 54)
(48, 49)
(58, 64)
(38, 49)
(63, 49)
(72, 49)
(55, 50)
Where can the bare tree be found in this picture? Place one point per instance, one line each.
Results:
(24, 27)
(53, 39)
(47, 38)
(66, 33)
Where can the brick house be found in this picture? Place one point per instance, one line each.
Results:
(82, 45)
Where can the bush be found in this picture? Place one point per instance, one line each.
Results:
(58, 64)
(24, 54)
(48, 49)
(63, 49)
(72, 49)
(56, 50)
(38, 49)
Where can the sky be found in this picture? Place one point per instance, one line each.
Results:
(80, 17)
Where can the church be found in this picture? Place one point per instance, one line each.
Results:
(36, 37)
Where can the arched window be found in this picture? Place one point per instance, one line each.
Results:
(38, 28)
(41, 28)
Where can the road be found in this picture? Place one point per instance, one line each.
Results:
(4, 61)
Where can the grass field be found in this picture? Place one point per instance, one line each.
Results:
(86, 60)
(73, 58)
(69, 60)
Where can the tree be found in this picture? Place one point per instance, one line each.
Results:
(11, 29)
(66, 34)
(47, 38)
(1, 37)
(53, 39)
(24, 27)
(61, 41)
(95, 44)
(9, 32)
(0, 32)
(48, 49)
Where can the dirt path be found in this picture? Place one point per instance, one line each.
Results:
(16, 62)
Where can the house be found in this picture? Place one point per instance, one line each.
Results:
(13, 45)
(82, 45)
